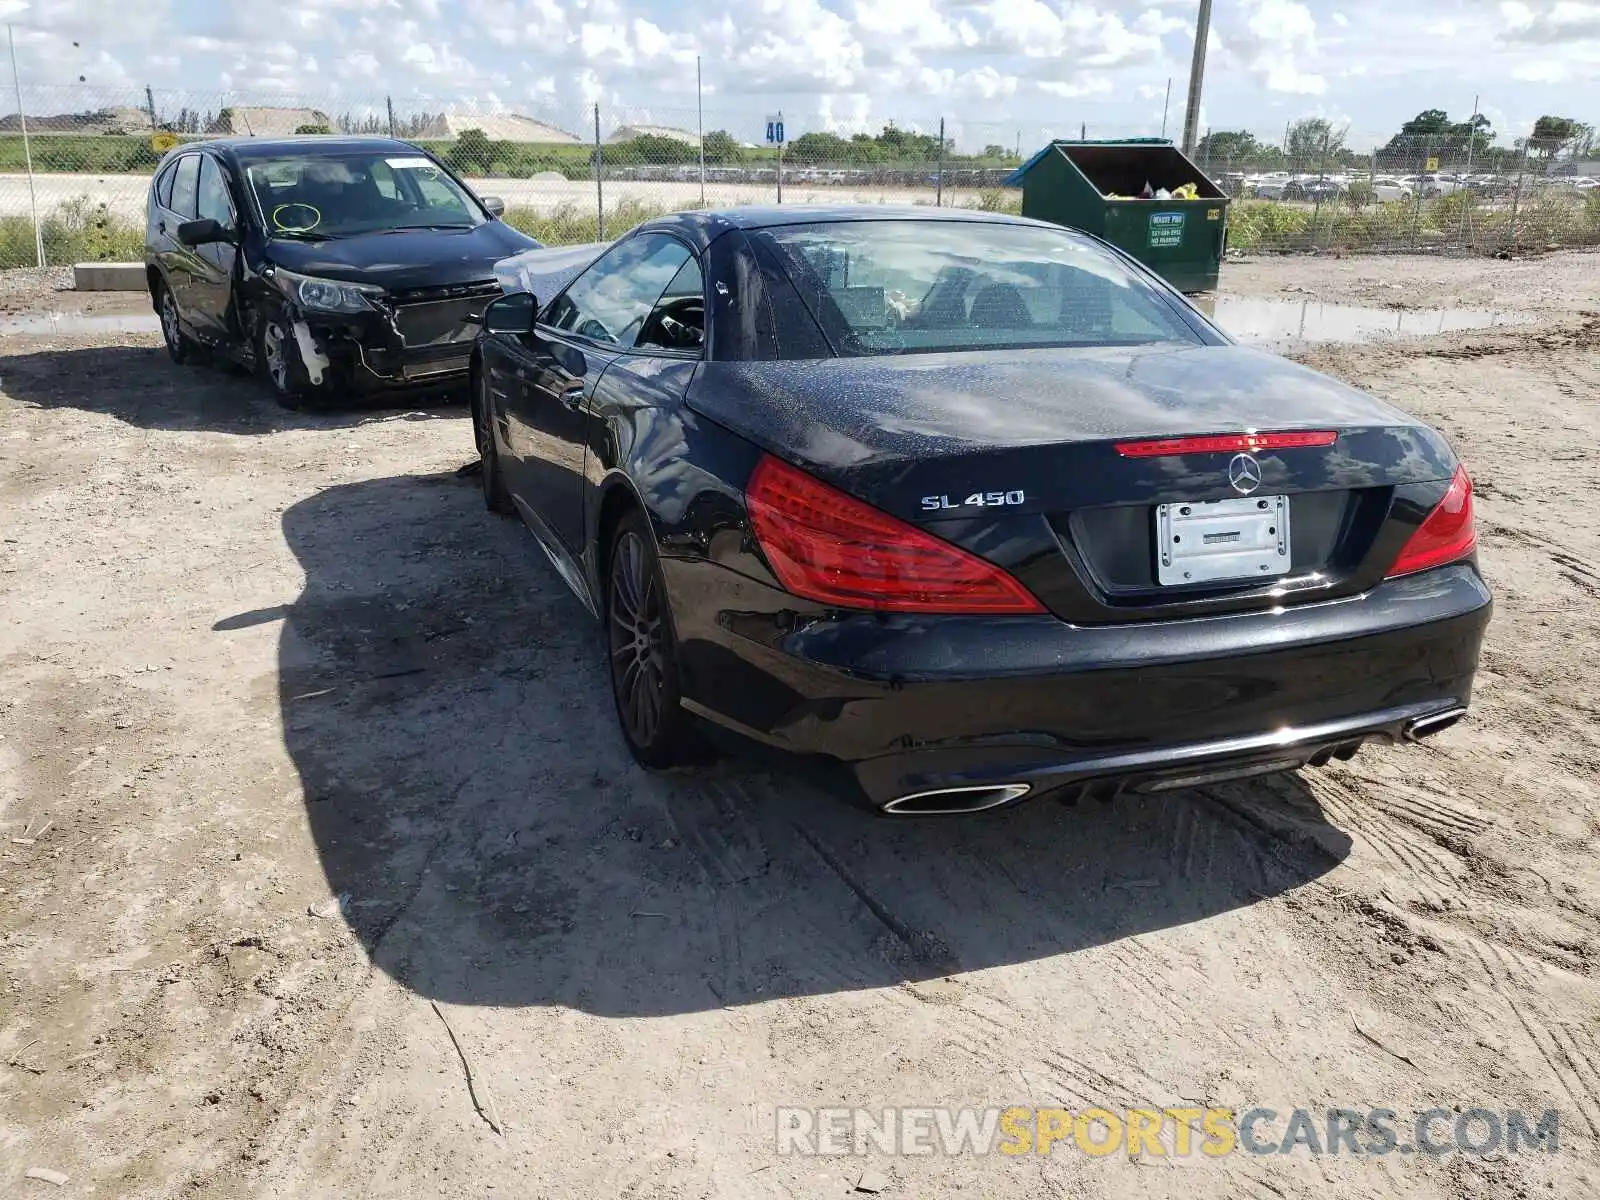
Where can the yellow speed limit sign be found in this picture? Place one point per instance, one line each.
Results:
(161, 141)
(1433, 165)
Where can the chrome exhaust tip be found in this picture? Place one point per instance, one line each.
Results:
(948, 801)
(1435, 723)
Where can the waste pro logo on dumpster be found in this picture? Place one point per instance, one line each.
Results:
(1164, 1132)
(1166, 229)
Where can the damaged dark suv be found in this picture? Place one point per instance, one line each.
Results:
(329, 265)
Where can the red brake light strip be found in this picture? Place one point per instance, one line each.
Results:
(1221, 443)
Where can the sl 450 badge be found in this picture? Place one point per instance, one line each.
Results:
(976, 500)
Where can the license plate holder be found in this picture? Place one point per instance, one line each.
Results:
(1222, 541)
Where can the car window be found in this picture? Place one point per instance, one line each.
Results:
(164, 186)
(340, 193)
(212, 200)
(612, 299)
(888, 287)
(440, 194)
(185, 185)
(678, 321)
(383, 179)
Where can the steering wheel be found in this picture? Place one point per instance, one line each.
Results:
(684, 321)
(593, 329)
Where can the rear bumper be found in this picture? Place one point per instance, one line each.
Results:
(916, 704)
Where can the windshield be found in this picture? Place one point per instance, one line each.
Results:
(336, 195)
(891, 287)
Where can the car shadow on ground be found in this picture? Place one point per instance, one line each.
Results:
(141, 386)
(444, 701)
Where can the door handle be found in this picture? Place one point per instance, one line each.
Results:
(572, 397)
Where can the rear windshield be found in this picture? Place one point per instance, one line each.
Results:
(336, 195)
(894, 287)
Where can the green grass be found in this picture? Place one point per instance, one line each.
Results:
(77, 231)
(117, 154)
(569, 225)
(1457, 220)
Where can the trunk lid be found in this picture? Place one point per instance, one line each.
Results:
(1015, 459)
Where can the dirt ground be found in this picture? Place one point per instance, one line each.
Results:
(308, 777)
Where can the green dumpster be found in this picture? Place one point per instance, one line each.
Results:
(1095, 186)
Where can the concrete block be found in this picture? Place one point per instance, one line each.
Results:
(109, 277)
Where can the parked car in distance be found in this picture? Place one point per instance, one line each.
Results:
(1272, 186)
(330, 265)
(976, 506)
(1436, 185)
(1323, 190)
(1386, 188)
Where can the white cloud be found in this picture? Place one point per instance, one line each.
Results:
(1014, 65)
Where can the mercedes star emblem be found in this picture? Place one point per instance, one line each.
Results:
(1244, 473)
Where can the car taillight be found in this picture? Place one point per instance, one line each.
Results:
(1446, 535)
(830, 547)
(1213, 443)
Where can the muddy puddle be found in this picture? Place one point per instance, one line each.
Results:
(1262, 321)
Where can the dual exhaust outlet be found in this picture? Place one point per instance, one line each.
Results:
(981, 797)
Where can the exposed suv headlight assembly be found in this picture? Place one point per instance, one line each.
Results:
(326, 295)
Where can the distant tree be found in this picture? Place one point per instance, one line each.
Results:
(1314, 141)
(299, 129)
(1551, 135)
(1432, 134)
(1428, 121)
(819, 148)
(472, 151)
(650, 148)
(721, 147)
(1223, 146)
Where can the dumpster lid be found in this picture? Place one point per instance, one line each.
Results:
(1015, 178)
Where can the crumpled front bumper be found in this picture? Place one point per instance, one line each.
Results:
(366, 352)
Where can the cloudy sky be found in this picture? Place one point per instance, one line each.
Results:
(999, 71)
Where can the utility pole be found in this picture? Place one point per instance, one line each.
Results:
(700, 117)
(1197, 70)
(27, 150)
(599, 180)
(1165, 105)
(1472, 132)
(389, 104)
(150, 104)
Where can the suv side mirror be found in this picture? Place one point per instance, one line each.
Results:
(203, 232)
(512, 314)
(495, 206)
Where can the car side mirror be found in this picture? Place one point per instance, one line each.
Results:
(495, 206)
(514, 314)
(203, 232)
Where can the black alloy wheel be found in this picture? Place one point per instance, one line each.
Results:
(643, 654)
(179, 348)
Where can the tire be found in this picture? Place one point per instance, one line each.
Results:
(642, 653)
(495, 497)
(179, 348)
(279, 360)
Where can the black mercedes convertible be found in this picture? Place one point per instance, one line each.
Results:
(974, 505)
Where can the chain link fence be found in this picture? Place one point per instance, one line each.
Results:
(75, 163)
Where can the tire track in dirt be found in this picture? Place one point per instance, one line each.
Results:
(1518, 986)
